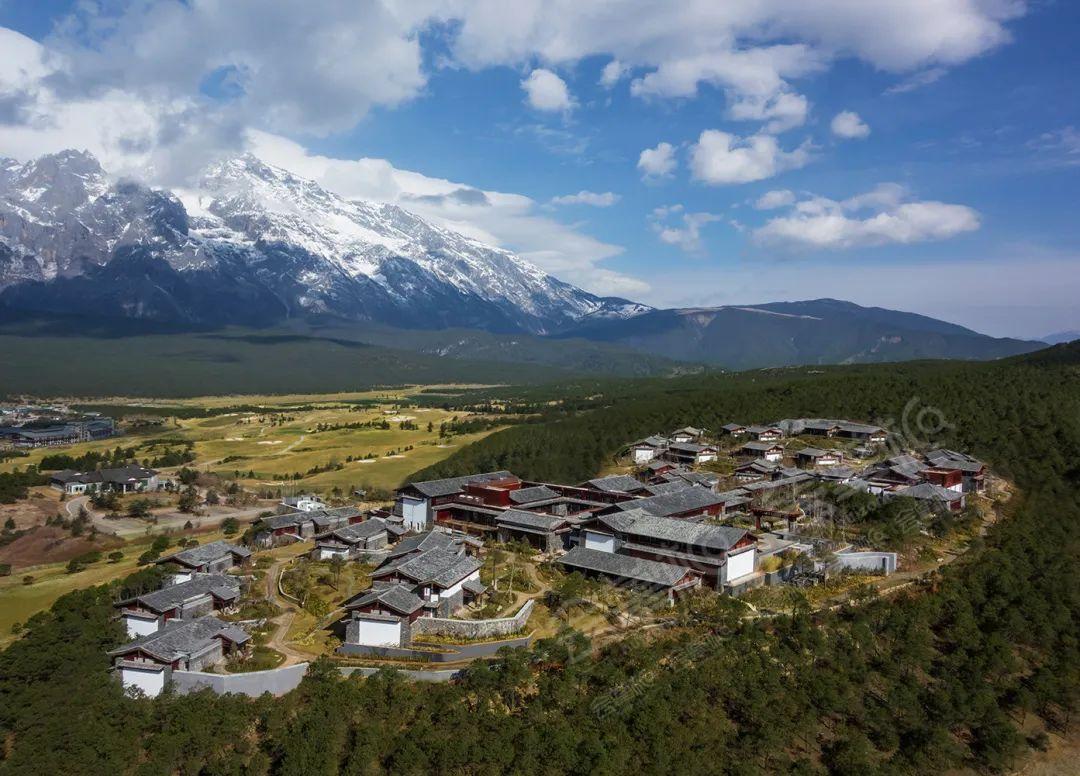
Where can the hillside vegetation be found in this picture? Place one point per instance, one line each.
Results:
(963, 671)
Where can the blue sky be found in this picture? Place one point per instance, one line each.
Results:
(921, 156)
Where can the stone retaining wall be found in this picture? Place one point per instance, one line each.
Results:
(277, 681)
(452, 654)
(473, 629)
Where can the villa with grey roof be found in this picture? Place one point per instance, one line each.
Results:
(722, 555)
(433, 574)
(207, 559)
(146, 663)
(201, 594)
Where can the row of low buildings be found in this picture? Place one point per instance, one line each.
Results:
(123, 479)
(178, 628)
(39, 433)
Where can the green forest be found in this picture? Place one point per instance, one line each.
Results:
(949, 674)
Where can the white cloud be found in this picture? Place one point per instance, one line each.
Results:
(687, 236)
(612, 73)
(751, 50)
(771, 200)
(721, 158)
(657, 162)
(917, 80)
(848, 125)
(822, 223)
(545, 91)
(513, 221)
(1060, 147)
(782, 111)
(593, 198)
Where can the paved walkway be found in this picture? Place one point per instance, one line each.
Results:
(279, 638)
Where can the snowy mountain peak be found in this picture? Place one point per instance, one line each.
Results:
(270, 235)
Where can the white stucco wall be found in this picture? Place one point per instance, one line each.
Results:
(773, 456)
(598, 541)
(457, 586)
(139, 627)
(150, 683)
(327, 554)
(415, 513)
(377, 633)
(739, 565)
(706, 457)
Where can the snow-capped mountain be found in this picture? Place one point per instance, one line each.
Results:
(255, 243)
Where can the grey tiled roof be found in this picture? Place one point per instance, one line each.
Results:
(733, 427)
(442, 567)
(953, 460)
(357, 532)
(206, 553)
(705, 479)
(532, 494)
(759, 446)
(221, 586)
(670, 486)
(928, 491)
(638, 523)
(623, 566)
(429, 540)
(396, 597)
(274, 522)
(653, 441)
(689, 448)
(615, 483)
(533, 520)
(180, 638)
(674, 503)
(451, 485)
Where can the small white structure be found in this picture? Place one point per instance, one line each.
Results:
(595, 540)
(739, 564)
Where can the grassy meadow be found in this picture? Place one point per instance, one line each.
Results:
(270, 439)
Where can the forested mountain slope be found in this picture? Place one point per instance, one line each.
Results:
(931, 680)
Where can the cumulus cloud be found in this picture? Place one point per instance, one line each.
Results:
(612, 73)
(721, 158)
(781, 111)
(545, 91)
(674, 226)
(848, 125)
(595, 199)
(509, 220)
(753, 50)
(886, 214)
(657, 162)
(771, 200)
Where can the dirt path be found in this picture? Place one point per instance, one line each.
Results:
(280, 636)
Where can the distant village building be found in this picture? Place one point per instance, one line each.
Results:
(764, 450)
(125, 479)
(648, 448)
(810, 457)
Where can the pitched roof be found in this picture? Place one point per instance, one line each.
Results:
(532, 494)
(274, 522)
(816, 452)
(669, 486)
(357, 532)
(762, 446)
(429, 540)
(954, 460)
(703, 535)
(219, 585)
(451, 485)
(624, 566)
(181, 638)
(615, 483)
(396, 597)
(733, 427)
(442, 567)
(929, 491)
(206, 553)
(705, 479)
(689, 430)
(676, 502)
(653, 441)
(689, 447)
(532, 520)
